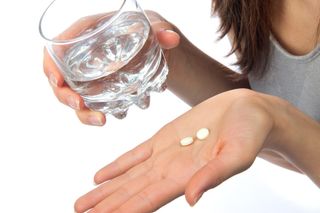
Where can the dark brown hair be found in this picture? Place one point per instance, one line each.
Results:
(250, 23)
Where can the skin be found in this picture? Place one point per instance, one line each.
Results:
(138, 181)
(296, 24)
(244, 124)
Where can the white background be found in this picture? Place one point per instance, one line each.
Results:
(48, 158)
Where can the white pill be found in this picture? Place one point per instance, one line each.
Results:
(203, 133)
(186, 141)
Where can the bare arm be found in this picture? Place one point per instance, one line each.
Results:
(242, 123)
(195, 76)
(297, 139)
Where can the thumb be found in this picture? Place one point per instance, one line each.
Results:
(242, 136)
(168, 39)
(164, 30)
(214, 173)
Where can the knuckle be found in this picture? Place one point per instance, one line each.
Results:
(59, 95)
(122, 191)
(82, 116)
(145, 197)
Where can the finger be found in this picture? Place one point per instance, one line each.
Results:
(152, 198)
(158, 22)
(52, 71)
(89, 117)
(68, 97)
(90, 199)
(168, 39)
(216, 171)
(126, 191)
(124, 162)
(240, 140)
(50, 68)
(164, 30)
(95, 196)
(227, 161)
(82, 25)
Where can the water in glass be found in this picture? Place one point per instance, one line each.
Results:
(118, 66)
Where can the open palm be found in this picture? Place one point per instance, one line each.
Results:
(160, 169)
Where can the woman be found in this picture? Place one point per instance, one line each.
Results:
(272, 110)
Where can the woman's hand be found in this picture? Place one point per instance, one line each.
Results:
(160, 169)
(168, 39)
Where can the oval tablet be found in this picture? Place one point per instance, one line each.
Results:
(203, 133)
(186, 141)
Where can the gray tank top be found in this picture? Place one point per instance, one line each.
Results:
(293, 78)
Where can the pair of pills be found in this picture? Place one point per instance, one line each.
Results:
(201, 134)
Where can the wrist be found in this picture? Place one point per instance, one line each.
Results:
(296, 138)
(283, 129)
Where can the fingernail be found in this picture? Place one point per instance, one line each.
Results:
(95, 120)
(53, 80)
(196, 199)
(166, 30)
(169, 31)
(73, 102)
(93, 211)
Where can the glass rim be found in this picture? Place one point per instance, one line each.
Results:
(81, 37)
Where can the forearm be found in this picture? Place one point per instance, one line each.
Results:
(277, 159)
(194, 76)
(296, 138)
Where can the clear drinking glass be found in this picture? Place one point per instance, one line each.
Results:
(106, 51)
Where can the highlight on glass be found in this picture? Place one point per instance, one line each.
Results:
(106, 51)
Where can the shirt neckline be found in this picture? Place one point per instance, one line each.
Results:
(308, 56)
